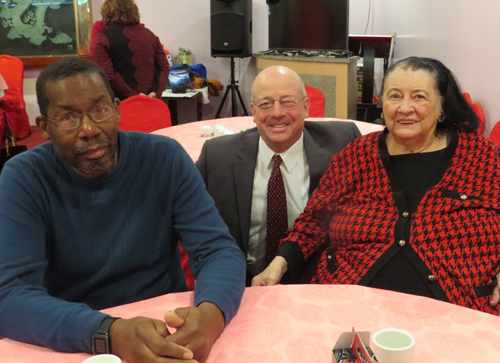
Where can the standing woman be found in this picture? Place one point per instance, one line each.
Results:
(414, 208)
(130, 54)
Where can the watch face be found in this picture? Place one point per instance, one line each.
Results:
(100, 344)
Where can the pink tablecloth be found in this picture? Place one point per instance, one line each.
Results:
(301, 323)
(189, 135)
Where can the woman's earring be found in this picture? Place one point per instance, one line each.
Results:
(382, 115)
(441, 117)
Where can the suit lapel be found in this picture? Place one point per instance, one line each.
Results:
(243, 174)
(317, 158)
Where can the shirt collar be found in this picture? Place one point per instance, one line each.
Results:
(290, 157)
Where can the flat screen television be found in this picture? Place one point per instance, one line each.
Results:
(309, 24)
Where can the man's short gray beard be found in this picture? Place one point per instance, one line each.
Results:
(96, 167)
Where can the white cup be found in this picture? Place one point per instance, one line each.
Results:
(393, 346)
(207, 130)
(103, 358)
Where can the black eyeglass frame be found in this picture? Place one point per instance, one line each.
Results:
(82, 115)
(280, 101)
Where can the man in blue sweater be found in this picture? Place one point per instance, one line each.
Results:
(92, 220)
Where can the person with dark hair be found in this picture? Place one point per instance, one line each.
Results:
(413, 208)
(130, 54)
(63, 70)
(92, 220)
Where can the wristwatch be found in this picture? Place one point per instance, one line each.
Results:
(101, 340)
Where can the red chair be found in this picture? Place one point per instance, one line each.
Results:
(2, 128)
(317, 108)
(478, 110)
(190, 282)
(12, 103)
(495, 134)
(144, 114)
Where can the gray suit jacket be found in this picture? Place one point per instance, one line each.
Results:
(227, 164)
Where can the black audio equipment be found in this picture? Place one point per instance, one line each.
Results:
(231, 28)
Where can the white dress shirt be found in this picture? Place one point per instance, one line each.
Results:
(295, 171)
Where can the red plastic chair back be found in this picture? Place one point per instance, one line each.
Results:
(144, 114)
(190, 282)
(495, 134)
(2, 128)
(478, 110)
(12, 103)
(317, 108)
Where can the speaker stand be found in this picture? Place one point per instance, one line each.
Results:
(235, 90)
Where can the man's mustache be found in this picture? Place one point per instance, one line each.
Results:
(91, 145)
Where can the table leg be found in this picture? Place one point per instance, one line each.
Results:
(172, 105)
(199, 99)
(368, 73)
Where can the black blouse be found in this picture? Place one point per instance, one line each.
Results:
(412, 175)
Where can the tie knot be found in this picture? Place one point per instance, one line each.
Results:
(277, 161)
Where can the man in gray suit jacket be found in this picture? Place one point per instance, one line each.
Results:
(236, 176)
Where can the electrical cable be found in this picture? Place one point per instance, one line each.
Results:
(369, 13)
(239, 77)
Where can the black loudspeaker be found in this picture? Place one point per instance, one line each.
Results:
(231, 28)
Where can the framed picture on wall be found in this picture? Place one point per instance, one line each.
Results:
(37, 28)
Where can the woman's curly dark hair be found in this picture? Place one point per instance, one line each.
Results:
(458, 113)
(123, 12)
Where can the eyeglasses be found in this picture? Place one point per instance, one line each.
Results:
(72, 121)
(287, 103)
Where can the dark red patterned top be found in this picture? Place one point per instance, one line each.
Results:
(133, 59)
(455, 230)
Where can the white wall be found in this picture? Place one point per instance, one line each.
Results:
(363, 13)
(186, 24)
(364, 18)
(461, 33)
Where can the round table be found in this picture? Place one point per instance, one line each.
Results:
(301, 324)
(189, 135)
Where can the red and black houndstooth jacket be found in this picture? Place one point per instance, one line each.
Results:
(455, 230)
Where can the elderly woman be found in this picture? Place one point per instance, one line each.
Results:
(130, 54)
(414, 208)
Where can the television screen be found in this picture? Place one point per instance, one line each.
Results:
(309, 24)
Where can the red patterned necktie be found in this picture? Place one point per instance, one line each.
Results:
(277, 218)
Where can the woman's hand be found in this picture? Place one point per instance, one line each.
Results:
(495, 299)
(272, 274)
(150, 94)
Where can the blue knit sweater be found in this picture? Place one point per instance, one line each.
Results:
(70, 245)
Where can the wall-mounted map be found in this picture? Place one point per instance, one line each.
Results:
(38, 27)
